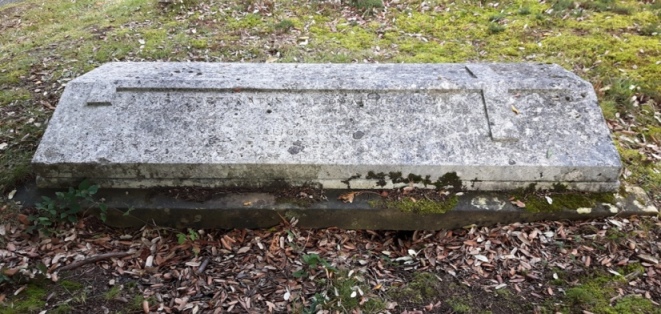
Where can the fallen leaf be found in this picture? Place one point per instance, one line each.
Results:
(614, 273)
(516, 111)
(23, 219)
(519, 203)
(193, 264)
(481, 258)
(347, 197)
(648, 258)
(145, 306)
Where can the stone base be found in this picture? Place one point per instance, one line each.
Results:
(368, 210)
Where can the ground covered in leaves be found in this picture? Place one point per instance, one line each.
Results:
(599, 266)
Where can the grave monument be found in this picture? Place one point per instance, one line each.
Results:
(359, 126)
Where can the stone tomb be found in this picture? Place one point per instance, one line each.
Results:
(359, 126)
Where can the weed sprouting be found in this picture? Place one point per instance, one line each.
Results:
(65, 207)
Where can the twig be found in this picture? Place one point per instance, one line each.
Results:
(94, 259)
(203, 266)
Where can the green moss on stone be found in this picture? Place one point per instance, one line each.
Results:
(450, 179)
(300, 202)
(379, 177)
(562, 199)
(408, 205)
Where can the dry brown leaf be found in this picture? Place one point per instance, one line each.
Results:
(347, 197)
(11, 271)
(145, 306)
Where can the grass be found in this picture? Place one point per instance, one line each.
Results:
(70, 295)
(31, 301)
(422, 287)
(343, 294)
(597, 292)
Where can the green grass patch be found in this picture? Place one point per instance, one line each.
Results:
(344, 294)
(422, 287)
(366, 5)
(495, 28)
(284, 26)
(7, 96)
(112, 293)
(31, 300)
(593, 292)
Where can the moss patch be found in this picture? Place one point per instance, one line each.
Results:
(561, 199)
(423, 287)
(408, 205)
(594, 292)
(450, 180)
(31, 300)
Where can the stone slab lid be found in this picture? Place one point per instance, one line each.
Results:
(494, 126)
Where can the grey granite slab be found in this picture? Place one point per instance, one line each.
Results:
(496, 126)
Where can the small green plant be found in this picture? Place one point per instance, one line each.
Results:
(312, 261)
(366, 6)
(495, 28)
(4, 278)
(560, 6)
(113, 292)
(459, 306)
(284, 26)
(199, 44)
(192, 235)
(650, 30)
(344, 294)
(497, 17)
(524, 11)
(65, 207)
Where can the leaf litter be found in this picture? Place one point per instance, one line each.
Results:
(255, 270)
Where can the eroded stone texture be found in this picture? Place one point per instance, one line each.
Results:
(497, 126)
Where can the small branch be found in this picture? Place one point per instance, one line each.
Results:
(203, 266)
(94, 259)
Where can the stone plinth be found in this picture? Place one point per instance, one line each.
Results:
(367, 126)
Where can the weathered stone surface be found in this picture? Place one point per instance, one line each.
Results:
(497, 126)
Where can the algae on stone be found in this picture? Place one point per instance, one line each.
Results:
(423, 206)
